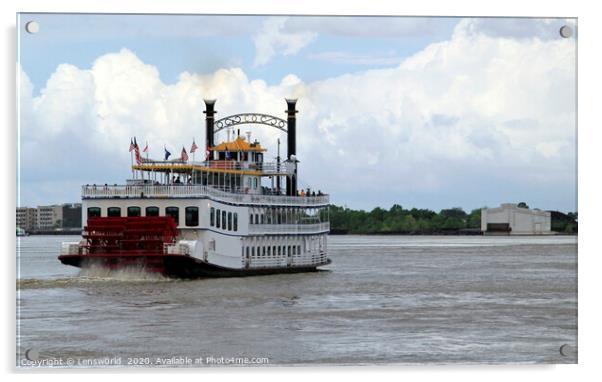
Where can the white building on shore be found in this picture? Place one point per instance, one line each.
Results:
(64, 216)
(510, 219)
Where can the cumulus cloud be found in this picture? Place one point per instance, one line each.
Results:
(475, 117)
(515, 27)
(272, 39)
(341, 57)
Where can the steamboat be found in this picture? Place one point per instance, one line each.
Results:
(232, 214)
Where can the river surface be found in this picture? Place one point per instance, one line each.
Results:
(383, 300)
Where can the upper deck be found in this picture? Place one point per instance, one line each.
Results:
(198, 191)
(262, 169)
(233, 171)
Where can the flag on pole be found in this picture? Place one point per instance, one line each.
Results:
(207, 154)
(184, 155)
(145, 148)
(193, 147)
(167, 153)
(131, 145)
(137, 152)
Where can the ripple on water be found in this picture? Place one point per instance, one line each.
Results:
(404, 300)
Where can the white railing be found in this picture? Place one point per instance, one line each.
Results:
(289, 228)
(70, 248)
(188, 191)
(263, 167)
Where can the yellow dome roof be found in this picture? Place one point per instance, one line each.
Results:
(239, 144)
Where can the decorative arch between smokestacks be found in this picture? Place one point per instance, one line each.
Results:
(289, 127)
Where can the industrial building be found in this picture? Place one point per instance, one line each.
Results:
(27, 218)
(49, 217)
(510, 219)
(72, 215)
(46, 218)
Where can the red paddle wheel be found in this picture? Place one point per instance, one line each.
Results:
(119, 242)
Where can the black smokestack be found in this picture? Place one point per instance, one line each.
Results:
(291, 119)
(291, 143)
(209, 120)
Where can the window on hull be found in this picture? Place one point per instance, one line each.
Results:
(134, 211)
(212, 217)
(114, 212)
(174, 212)
(93, 212)
(192, 216)
(152, 211)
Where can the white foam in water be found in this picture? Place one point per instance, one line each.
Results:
(123, 274)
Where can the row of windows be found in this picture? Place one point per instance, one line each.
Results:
(288, 215)
(191, 214)
(223, 219)
(272, 251)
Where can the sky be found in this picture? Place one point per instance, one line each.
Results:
(422, 112)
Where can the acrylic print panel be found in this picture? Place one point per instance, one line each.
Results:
(202, 190)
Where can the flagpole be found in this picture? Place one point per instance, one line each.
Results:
(192, 180)
(131, 158)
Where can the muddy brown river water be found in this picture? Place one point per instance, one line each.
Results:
(383, 300)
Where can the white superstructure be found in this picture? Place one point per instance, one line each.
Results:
(230, 210)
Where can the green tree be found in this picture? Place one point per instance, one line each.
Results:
(409, 224)
(474, 219)
(455, 212)
(453, 223)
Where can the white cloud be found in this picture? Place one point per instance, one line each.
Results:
(515, 27)
(272, 39)
(341, 57)
(475, 115)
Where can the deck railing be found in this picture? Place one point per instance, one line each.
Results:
(266, 168)
(191, 191)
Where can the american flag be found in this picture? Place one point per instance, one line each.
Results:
(184, 155)
(137, 152)
(207, 154)
(145, 148)
(193, 147)
(132, 147)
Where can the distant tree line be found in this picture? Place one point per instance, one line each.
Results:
(398, 220)
(566, 223)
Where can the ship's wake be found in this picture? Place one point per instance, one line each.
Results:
(96, 275)
(131, 273)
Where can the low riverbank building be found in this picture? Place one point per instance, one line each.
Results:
(510, 219)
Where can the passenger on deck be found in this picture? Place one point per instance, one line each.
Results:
(178, 181)
(302, 194)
